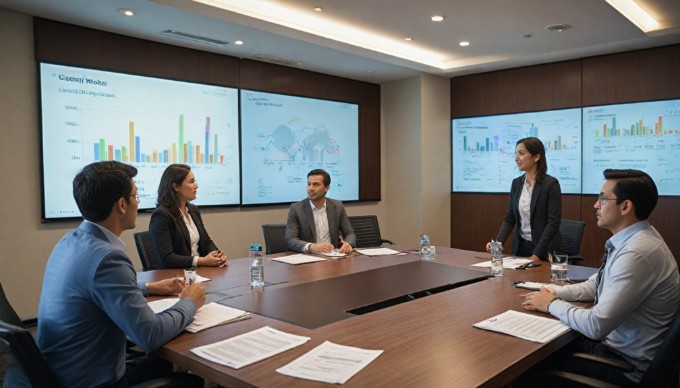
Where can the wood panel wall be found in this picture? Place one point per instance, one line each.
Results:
(67, 44)
(626, 77)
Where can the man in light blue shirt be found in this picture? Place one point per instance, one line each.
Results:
(636, 293)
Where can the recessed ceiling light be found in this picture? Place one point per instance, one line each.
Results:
(464, 43)
(527, 36)
(558, 27)
(437, 18)
(408, 39)
(126, 12)
(318, 9)
(238, 42)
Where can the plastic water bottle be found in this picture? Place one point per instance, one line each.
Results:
(496, 258)
(256, 266)
(425, 252)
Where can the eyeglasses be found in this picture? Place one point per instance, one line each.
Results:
(135, 196)
(602, 199)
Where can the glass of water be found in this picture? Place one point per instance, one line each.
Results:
(189, 276)
(558, 266)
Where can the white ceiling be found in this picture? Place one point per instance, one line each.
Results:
(496, 30)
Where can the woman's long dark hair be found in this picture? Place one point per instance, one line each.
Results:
(535, 146)
(167, 197)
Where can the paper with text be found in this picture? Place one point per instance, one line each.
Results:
(298, 259)
(249, 348)
(377, 251)
(523, 325)
(330, 363)
(210, 315)
(333, 254)
(510, 262)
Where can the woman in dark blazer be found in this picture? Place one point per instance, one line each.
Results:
(176, 226)
(535, 207)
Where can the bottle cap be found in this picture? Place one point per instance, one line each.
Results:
(255, 247)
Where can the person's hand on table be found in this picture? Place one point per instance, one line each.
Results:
(196, 293)
(213, 259)
(172, 286)
(538, 300)
(323, 247)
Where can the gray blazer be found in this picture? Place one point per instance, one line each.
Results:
(300, 228)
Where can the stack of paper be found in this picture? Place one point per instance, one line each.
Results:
(377, 251)
(248, 348)
(510, 262)
(526, 326)
(333, 254)
(298, 259)
(211, 314)
(330, 363)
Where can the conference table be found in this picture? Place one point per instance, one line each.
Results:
(428, 341)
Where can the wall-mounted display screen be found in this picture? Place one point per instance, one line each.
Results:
(483, 149)
(643, 136)
(284, 137)
(91, 115)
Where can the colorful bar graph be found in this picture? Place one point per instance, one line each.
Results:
(188, 152)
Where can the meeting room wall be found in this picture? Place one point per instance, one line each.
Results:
(624, 77)
(27, 242)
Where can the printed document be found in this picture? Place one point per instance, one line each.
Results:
(509, 262)
(249, 348)
(334, 254)
(298, 259)
(330, 363)
(210, 315)
(523, 325)
(377, 251)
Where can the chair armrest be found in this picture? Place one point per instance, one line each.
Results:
(584, 380)
(386, 241)
(607, 361)
(575, 259)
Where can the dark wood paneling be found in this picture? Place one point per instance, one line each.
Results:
(68, 44)
(281, 79)
(551, 86)
(633, 76)
(369, 160)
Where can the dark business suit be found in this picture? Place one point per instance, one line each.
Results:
(300, 228)
(545, 216)
(171, 237)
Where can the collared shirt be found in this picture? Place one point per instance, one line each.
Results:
(639, 297)
(524, 208)
(320, 223)
(194, 237)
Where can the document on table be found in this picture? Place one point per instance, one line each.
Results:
(509, 262)
(525, 326)
(199, 278)
(377, 251)
(298, 259)
(249, 348)
(210, 315)
(333, 254)
(330, 363)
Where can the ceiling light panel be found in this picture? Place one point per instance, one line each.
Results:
(638, 16)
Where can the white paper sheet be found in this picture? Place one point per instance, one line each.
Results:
(509, 262)
(249, 348)
(298, 259)
(333, 254)
(210, 315)
(525, 326)
(330, 363)
(377, 251)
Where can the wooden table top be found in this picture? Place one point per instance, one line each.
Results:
(427, 342)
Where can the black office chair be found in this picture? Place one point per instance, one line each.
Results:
(274, 238)
(367, 231)
(571, 232)
(663, 372)
(147, 251)
(7, 313)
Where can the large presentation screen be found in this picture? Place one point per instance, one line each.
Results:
(91, 115)
(284, 137)
(483, 149)
(643, 136)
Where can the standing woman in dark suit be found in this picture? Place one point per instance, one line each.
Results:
(535, 208)
(176, 226)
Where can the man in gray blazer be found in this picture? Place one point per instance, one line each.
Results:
(317, 223)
